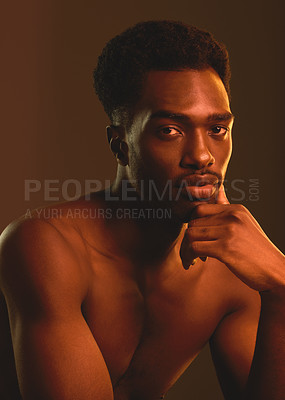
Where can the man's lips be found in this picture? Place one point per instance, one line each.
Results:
(199, 180)
(199, 187)
(200, 192)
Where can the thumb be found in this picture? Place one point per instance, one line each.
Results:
(222, 198)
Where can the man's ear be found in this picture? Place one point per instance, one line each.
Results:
(119, 147)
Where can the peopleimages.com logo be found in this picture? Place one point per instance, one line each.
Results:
(72, 189)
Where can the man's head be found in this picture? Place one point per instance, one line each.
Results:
(152, 46)
(165, 87)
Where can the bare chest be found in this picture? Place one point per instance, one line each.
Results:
(147, 340)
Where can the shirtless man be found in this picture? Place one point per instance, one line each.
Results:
(117, 307)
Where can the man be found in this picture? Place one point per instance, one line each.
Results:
(116, 307)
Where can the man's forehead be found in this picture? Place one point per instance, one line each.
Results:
(181, 93)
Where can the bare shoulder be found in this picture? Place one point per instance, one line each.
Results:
(40, 258)
(52, 240)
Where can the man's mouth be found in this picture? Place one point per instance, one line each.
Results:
(202, 192)
(199, 180)
(199, 187)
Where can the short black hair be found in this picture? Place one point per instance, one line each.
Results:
(153, 45)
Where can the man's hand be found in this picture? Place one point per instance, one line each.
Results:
(229, 233)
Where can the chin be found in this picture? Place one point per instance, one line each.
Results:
(182, 211)
(183, 208)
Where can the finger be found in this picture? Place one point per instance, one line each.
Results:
(200, 249)
(187, 252)
(204, 233)
(204, 259)
(204, 210)
(210, 248)
(222, 198)
(186, 265)
(208, 220)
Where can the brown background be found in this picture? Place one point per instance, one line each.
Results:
(53, 127)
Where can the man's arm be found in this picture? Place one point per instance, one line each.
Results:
(230, 234)
(56, 355)
(233, 343)
(267, 374)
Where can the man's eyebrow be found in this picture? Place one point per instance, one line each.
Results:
(168, 114)
(226, 116)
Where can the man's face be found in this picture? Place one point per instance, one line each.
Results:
(181, 136)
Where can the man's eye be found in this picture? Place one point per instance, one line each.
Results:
(170, 131)
(218, 130)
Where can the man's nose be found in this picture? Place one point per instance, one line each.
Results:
(196, 152)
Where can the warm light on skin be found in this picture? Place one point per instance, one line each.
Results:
(189, 104)
(190, 92)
